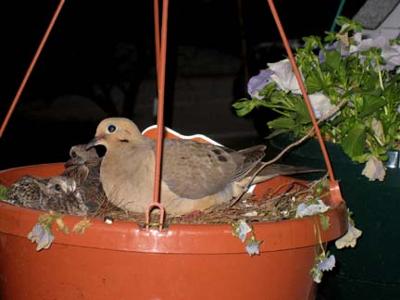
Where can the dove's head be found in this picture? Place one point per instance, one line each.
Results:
(79, 155)
(112, 132)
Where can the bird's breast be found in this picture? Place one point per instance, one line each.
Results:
(127, 179)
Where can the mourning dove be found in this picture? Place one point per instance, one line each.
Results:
(56, 193)
(195, 175)
(83, 165)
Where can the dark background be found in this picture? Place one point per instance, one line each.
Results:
(97, 46)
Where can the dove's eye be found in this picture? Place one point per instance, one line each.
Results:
(57, 187)
(111, 128)
(73, 154)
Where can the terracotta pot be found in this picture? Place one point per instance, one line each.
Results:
(123, 261)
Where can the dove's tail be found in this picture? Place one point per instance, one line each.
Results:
(275, 170)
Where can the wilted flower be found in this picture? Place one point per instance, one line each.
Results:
(253, 246)
(311, 209)
(350, 238)
(377, 128)
(81, 226)
(245, 233)
(241, 229)
(284, 77)
(323, 263)
(257, 82)
(317, 275)
(374, 169)
(327, 264)
(42, 236)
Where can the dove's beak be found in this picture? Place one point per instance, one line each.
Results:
(94, 142)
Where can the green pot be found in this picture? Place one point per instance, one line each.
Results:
(371, 270)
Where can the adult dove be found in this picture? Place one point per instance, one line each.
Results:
(195, 175)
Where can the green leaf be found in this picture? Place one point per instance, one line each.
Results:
(353, 142)
(312, 42)
(282, 123)
(303, 116)
(244, 107)
(314, 83)
(276, 133)
(348, 24)
(371, 104)
(3, 192)
(324, 219)
(333, 60)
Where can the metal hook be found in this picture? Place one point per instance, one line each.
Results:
(150, 208)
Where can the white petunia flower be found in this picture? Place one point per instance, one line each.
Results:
(284, 77)
(366, 44)
(390, 53)
(374, 169)
(311, 209)
(321, 105)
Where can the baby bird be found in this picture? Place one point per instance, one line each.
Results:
(28, 191)
(195, 176)
(56, 193)
(84, 167)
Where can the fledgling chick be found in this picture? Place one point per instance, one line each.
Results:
(56, 193)
(63, 196)
(195, 176)
(28, 191)
(84, 167)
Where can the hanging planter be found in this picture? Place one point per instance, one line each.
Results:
(122, 260)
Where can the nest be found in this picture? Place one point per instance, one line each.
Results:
(278, 203)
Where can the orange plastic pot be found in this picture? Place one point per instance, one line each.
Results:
(123, 261)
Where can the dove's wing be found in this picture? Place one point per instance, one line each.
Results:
(194, 170)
